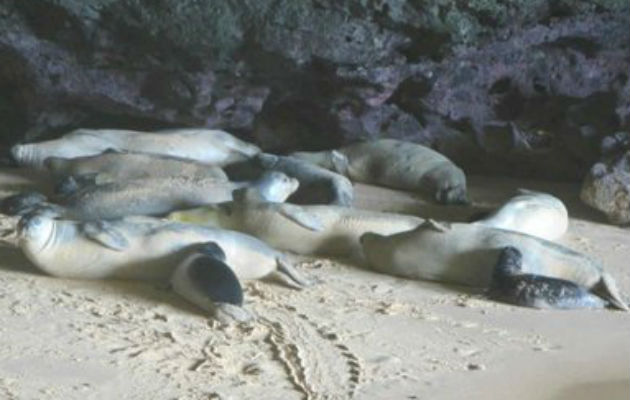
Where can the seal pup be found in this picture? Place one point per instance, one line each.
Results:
(510, 285)
(142, 248)
(465, 254)
(116, 166)
(203, 145)
(396, 164)
(317, 185)
(533, 213)
(308, 229)
(160, 196)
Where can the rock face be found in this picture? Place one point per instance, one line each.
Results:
(526, 88)
(607, 188)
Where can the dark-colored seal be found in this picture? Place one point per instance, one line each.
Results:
(396, 164)
(510, 285)
(146, 196)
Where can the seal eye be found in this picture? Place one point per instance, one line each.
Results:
(30, 222)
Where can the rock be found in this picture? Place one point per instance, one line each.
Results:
(607, 188)
(521, 88)
(615, 143)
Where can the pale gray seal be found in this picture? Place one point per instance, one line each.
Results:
(308, 230)
(142, 248)
(465, 254)
(533, 213)
(203, 145)
(396, 164)
(160, 196)
(510, 285)
(116, 166)
(317, 185)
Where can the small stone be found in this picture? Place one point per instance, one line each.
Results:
(475, 367)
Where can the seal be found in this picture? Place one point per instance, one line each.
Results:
(203, 145)
(160, 196)
(22, 203)
(204, 279)
(116, 166)
(145, 248)
(465, 254)
(396, 164)
(317, 185)
(532, 213)
(510, 285)
(309, 230)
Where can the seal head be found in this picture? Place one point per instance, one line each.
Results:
(276, 187)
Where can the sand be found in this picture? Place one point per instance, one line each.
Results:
(356, 334)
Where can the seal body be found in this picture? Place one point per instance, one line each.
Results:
(509, 284)
(308, 230)
(134, 248)
(465, 254)
(396, 164)
(117, 166)
(160, 196)
(317, 185)
(203, 145)
(533, 213)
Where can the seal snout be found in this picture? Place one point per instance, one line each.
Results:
(17, 153)
(453, 196)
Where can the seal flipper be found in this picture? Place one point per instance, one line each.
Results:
(103, 233)
(340, 162)
(607, 288)
(290, 275)
(301, 217)
(213, 278)
(208, 282)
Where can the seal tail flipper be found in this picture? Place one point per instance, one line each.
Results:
(290, 275)
(607, 289)
(210, 284)
(214, 279)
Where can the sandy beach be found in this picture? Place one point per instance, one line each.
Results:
(356, 334)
